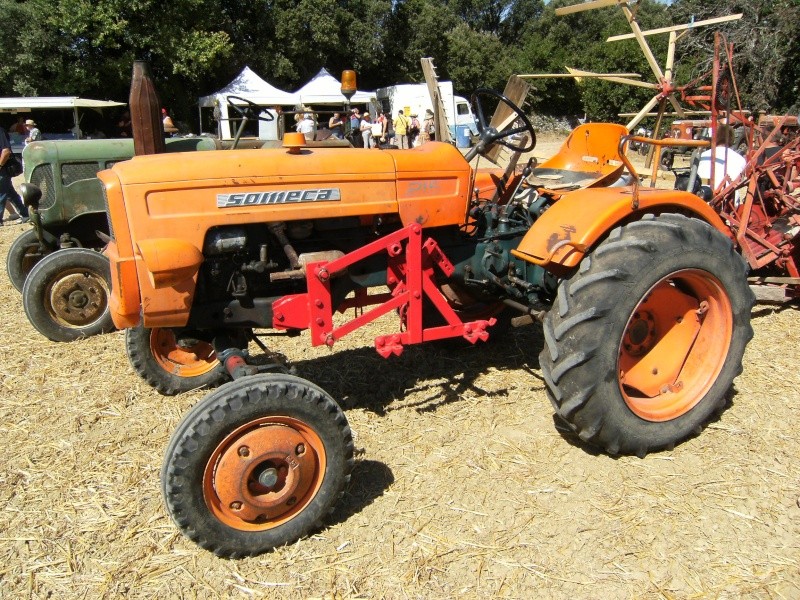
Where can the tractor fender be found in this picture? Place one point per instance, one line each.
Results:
(561, 237)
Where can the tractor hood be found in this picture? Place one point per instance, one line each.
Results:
(239, 166)
(429, 185)
(161, 207)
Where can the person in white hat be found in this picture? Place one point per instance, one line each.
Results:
(33, 132)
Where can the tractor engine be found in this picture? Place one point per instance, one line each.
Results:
(247, 267)
(490, 269)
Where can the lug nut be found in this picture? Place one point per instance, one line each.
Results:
(244, 451)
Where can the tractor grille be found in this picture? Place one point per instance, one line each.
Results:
(108, 214)
(42, 177)
(72, 172)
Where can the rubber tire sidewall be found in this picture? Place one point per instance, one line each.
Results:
(16, 253)
(229, 407)
(584, 329)
(140, 355)
(48, 269)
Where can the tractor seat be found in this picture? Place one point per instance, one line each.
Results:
(588, 157)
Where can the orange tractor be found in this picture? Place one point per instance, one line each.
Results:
(644, 302)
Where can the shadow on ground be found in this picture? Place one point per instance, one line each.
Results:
(361, 378)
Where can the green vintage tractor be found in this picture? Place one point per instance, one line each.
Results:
(56, 265)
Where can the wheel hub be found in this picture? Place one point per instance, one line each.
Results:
(641, 334)
(186, 357)
(263, 473)
(78, 298)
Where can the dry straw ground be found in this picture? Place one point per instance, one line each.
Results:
(465, 487)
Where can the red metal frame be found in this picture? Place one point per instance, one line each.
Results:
(410, 277)
(761, 207)
(765, 219)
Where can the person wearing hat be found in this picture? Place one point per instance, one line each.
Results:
(306, 126)
(34, 134)
(428, 130)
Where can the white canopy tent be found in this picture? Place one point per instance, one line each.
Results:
(251, 87)
(21, 105)
(324, 88)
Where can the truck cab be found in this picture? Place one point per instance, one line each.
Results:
(414, 99)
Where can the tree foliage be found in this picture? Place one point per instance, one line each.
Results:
(87, 47)
(766, 47)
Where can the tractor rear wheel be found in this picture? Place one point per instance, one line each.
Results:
(257, 464)
(23, 254)
(169, 366)
(65, 295)
(645, 339)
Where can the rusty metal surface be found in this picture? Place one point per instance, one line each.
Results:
(148, 130)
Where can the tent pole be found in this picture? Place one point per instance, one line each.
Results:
(77, 129)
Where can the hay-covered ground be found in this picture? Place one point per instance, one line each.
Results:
(464, 485)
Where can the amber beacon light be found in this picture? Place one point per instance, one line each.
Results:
(348, 84)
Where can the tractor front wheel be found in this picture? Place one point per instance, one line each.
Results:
(23, 254)
(644, 341)
(169, 365)
(257, 464)
(65, 295)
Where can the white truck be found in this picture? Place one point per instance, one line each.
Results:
(414, 99)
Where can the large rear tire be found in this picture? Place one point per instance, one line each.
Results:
(65, 295)
(257, 464)
(645, 339)
(22, 257)
(172, 368)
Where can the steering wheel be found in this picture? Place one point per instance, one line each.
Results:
(489, 135)
(251, 111)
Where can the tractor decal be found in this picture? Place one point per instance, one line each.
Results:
(278, 197)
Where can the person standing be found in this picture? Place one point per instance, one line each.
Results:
(413, 131)
(401, 130)
(19, 127)
(428, 130)
(306, 126)
(34, 135)
(355, 119)
(379, 129)
(728, 164)
(169, 127)
(366, 131)
(124, 127)
(7, 191)
(336, 125)
(353, 133)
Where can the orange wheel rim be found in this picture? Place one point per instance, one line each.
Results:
(675, 344)
(264, 473)
(188, 361)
